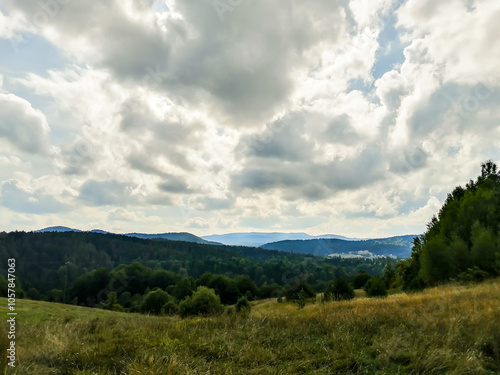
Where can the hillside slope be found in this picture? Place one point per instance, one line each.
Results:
(399, 246)
(451, 329)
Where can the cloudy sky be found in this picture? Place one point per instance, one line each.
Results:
(352, 117)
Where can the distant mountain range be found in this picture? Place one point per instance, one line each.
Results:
(183, 236)
(325, 245)
(257, 239)
(399, 246)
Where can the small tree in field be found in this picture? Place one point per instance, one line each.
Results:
(153, 302)
(203, 302)
(375, 287)
(360, 279)
(292, 290)
(243, 304)
(301, 299)
(339, 290)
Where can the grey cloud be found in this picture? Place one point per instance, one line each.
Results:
(123, 44)
(314, 192)
(246, 68)
(212, 204)
(355, 172)
(283, 139)
(312, 181)
(171, 140)
(265, 178)
(174, 184)
(105, 193)
(142, 162)
(454, 108)
(18, 200)
(160, 200)
(340, 131)
(78, 157)
(138, 120)
(22, 125)
(238, 67)
(407, 158)
(197, 223)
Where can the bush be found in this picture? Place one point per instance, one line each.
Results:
(33, 294)
(473, 275)
(375, 287)
(242, 304)
(360, 279)
(339, 290)
(153, 302)
(170, 308)
(203, 302)
(292, 291)
(270, 291)
(301, 299)
(225, 288)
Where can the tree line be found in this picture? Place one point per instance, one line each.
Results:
(461, 243)
(88, 268)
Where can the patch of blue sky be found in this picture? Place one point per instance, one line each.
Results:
(471, 5)
(390, 54)
(160, 6)
(453, 150)
(366, 87)
(29, 53)
(35, 55)
(493, 153)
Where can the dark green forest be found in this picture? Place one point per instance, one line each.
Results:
(462, 242)
(132, 274)
(113, 271)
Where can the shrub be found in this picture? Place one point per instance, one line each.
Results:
(153, 302)
(203, 302)
(292, 291)
(339, 290)
(301, 299)
(360, 279)
(242, 304)
(375, 287)
(170, 308)
(33, 294)
(473, 275)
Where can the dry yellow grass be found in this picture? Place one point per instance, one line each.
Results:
(445, 330)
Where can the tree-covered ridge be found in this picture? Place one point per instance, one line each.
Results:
(399, 246)
(61, 266)
(463, 240)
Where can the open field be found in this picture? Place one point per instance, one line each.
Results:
(450, 329)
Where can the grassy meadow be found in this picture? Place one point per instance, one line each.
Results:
(446, 330)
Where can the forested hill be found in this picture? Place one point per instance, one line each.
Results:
(462, 242)
(395, 246)
(47, 261)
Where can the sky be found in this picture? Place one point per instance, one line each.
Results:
(350, 117)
